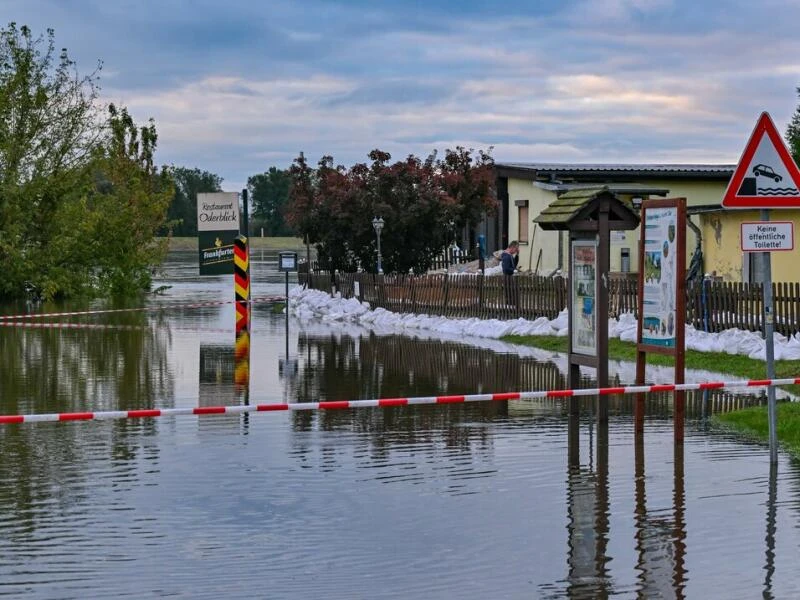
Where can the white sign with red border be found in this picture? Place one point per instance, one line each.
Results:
(766, 176)
(767, 236)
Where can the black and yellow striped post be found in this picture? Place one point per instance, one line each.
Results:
(241, 365)
(241, 281)
(241, 284)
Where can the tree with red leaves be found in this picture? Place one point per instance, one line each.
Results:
(420, 201)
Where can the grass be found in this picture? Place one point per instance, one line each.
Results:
(750, 422)
(256, 243)
(277, 308)
(734, 364)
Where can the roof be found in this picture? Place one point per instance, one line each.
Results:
(599, 170)
(573, 204)
(617, 188)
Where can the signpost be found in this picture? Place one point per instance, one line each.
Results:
(766, 177)
(287, 263)
(662, 297)
(217, 228)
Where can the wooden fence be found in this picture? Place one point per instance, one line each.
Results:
(710, 306)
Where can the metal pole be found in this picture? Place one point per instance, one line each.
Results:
(380, 267)
(769, 343)
(287, 320)
(245, 230)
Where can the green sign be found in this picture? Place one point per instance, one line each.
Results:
(216, 251)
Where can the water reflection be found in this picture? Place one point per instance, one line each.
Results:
(660, 536)
(474, 500)
(588, 518)
(121, 367)
(772, 513)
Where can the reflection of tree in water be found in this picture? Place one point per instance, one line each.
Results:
(74, 370)
(346, 368)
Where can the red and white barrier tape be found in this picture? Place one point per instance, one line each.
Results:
(386, 402)
(67, 325)
(141, 308)
(103, 326)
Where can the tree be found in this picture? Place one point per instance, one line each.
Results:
(417, 199)
(128, 206)
(49, 127)
(80, 197)
(793, 133)
(182, 213)
(269, 193)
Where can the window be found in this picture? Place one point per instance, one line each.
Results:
(522, 214)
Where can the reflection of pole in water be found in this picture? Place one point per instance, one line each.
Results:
(772, 509)
(574, 441)
(660, 542)
(241, 369)
(588, 523)
(679, 527)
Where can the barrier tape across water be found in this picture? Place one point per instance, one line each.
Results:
(387, 402)
(106, 327)
(154, 307)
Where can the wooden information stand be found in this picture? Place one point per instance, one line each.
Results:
(589, 215)
(661, 326)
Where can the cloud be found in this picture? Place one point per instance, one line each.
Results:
(240, 86)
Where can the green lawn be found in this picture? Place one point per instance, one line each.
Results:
(256, 243)
(735, 364)
(751, 422)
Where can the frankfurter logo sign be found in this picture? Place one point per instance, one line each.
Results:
(217, 228)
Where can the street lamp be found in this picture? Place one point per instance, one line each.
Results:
(377, 224)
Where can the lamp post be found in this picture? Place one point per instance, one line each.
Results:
(377, 224)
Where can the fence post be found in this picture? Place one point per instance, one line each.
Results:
(446, 293)
(480, 291)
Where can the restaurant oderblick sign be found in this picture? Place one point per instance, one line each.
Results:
(217, 228)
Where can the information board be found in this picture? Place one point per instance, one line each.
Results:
(660, 276)
(584, 296)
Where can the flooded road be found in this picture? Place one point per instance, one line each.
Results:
(488, 500)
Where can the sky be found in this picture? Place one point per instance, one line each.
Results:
(236, 87)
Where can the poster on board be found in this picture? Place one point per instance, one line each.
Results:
(660, 276)
(217, 228)
(584, 295)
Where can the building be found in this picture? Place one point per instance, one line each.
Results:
(525, 189)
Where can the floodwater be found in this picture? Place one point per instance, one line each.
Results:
(487, 500)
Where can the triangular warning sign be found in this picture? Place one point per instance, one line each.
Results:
(766, 176)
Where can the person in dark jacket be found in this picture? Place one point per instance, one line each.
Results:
(509, 260)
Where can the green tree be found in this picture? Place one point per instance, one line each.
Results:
(80, 197)
(182, 213)
(793, 133)
(417, 199)
(49, 128)
(269, 194)
(127, 206)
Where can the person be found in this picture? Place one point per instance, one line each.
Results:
(509, 260)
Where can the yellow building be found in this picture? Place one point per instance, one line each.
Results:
(525, 189)
(721, 231)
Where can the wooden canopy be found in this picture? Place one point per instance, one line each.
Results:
(579, 210)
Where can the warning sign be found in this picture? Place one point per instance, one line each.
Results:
(767, 236)
(766, 176)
